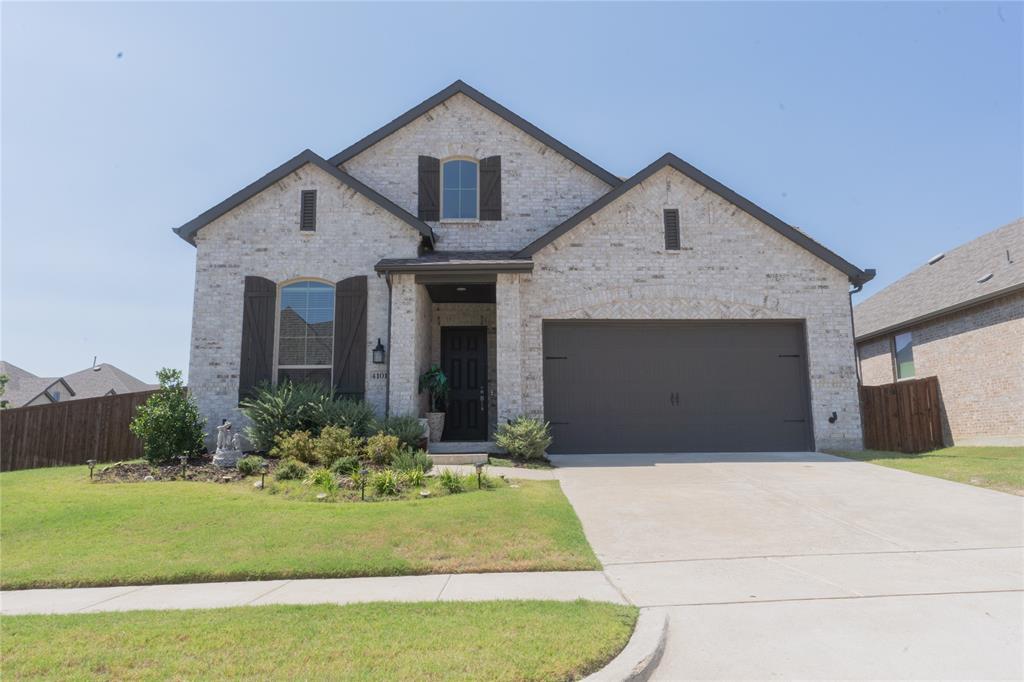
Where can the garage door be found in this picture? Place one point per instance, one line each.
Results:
(694, 386)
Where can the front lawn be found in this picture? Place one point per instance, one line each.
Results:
(60, 530)
(511, 640)
(999, 468)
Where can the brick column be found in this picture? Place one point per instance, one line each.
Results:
(402, 352)
(510, 347)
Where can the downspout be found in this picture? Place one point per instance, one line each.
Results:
(387, 379)
(853, 334)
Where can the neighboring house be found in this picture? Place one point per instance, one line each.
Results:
(663, 312)
(25, 388)
(960, 318)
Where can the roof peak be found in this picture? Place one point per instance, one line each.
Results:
(460, 86)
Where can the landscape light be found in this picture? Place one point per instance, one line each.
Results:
(479, 475)
(91, 463)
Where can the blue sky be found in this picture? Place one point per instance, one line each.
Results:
(887, 131)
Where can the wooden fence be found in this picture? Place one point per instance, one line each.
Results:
(902, 417)
(70, 432)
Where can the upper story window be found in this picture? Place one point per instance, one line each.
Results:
(459, 190)
(903, 350)
(305, 338)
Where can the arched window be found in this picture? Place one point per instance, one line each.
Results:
(305, 336)
(459, 190)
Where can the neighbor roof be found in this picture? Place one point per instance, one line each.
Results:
(189, 229)
(487, 103)
(104, 378)
(855, 274)
(24, 389)
(949, 284)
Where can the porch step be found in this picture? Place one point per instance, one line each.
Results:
(447, 447)
(463, 458)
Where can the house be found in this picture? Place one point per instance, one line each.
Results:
(959, 317)
(24, 388)
(663, 312)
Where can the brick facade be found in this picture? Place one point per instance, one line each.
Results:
(612, 266)
(978, 356)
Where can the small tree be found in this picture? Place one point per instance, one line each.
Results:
(435, 383)
(3, 388)
(169, 423)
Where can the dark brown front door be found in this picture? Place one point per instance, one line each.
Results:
(464, 361)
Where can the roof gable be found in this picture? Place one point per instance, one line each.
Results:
(983, 269)
(486, 102)
(189, 229)
(855, 274)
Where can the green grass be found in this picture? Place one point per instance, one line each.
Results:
(998, 468)
(384, 641)
(60, 530)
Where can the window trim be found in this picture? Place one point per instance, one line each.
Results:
(440, 198)
(277, 330)
(895, 363)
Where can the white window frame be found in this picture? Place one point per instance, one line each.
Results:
(476, 218)
(277, 331)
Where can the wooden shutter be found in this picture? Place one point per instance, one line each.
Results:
(307, 214)
(490, 188)
(430, 188)
(672, 229)
(350, 338)
(257, 362)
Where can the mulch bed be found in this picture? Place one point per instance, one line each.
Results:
(199, 468)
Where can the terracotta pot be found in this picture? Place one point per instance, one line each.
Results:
(435, 421)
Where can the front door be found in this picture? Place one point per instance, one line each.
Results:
(464, 361)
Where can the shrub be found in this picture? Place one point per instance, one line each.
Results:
(415, 478)
(524, 437)
(322, 478)
(346, 466)
(249, 466)
(296, 445)
(168, 423)
(335, 442)
(273, 410)
(355, 415)
(290, 470)
(408, 460)
(451, 481)
(385, 482)
(408, 430)
(382, 448)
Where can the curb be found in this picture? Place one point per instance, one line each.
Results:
(638, 660)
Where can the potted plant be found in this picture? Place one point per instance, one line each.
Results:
(435, 383)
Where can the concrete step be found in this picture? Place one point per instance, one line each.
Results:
(447, 447)
(458, 458)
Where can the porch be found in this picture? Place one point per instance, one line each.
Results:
(461, 311)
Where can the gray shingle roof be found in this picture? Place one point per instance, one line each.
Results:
(92, 383)
(949, 284)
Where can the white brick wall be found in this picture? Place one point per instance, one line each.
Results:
(539, 187)
(261, 237)
(615, 266)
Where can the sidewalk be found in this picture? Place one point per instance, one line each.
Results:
(556, 585)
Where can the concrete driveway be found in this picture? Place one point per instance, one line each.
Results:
(803, 565)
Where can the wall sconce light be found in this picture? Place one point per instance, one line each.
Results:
(378, 353)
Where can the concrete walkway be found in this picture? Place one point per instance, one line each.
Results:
(807, 566)
(557, 585)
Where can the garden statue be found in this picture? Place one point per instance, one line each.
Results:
(229, 449)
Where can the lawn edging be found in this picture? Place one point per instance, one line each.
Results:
(638, 660)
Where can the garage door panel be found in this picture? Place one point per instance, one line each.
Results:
(673, 386)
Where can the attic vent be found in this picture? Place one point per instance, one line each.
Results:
(982, 280)
(936, 258)
(307, 214)
(672, 229)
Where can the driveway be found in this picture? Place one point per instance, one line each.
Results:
(803, 565)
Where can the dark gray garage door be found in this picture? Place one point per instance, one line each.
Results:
(666, 386)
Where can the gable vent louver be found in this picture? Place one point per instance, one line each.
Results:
(307, 213)
(672, 229)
